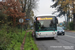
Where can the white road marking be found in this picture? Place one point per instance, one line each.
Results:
(70, 36)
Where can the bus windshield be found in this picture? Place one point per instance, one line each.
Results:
(45, 25)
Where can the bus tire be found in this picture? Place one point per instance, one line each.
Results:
(36, 38)
(53, 38)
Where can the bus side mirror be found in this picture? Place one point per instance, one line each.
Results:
(55, 20)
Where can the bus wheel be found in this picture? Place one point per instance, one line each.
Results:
(36, 38)
(52, 37)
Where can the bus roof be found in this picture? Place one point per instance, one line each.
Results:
(45, 15)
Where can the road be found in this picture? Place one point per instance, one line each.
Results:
(66, 42)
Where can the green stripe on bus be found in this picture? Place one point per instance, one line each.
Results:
(45, 31)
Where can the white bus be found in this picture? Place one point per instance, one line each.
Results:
(45, 26)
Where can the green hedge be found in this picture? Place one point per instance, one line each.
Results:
(11, 39)
(29, 42)
(71, 26)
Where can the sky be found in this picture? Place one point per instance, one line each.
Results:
(44, 8)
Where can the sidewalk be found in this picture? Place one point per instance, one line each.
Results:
(70, 31)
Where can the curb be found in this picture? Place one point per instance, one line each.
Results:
(70, 31)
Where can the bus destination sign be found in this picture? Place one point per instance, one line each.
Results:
(44, 18)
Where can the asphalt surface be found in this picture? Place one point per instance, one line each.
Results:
(66, 42)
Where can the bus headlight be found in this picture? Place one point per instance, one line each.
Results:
(54, 33)
(38, 33)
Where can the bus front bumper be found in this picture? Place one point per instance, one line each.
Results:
(46, 36)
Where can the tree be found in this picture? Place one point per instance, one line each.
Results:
(27, 7)
(2, 19)
(64, 7)
(13, 9)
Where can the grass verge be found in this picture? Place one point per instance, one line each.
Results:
(29, 42)
(16, 42)
(12, 39)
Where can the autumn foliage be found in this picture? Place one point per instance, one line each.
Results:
(13, 9)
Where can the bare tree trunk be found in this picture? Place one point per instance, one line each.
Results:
(24, 8)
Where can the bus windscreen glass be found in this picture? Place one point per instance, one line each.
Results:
(45, 24)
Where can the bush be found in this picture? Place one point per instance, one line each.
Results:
(29, 42)
(71, 27)
(11, 38)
